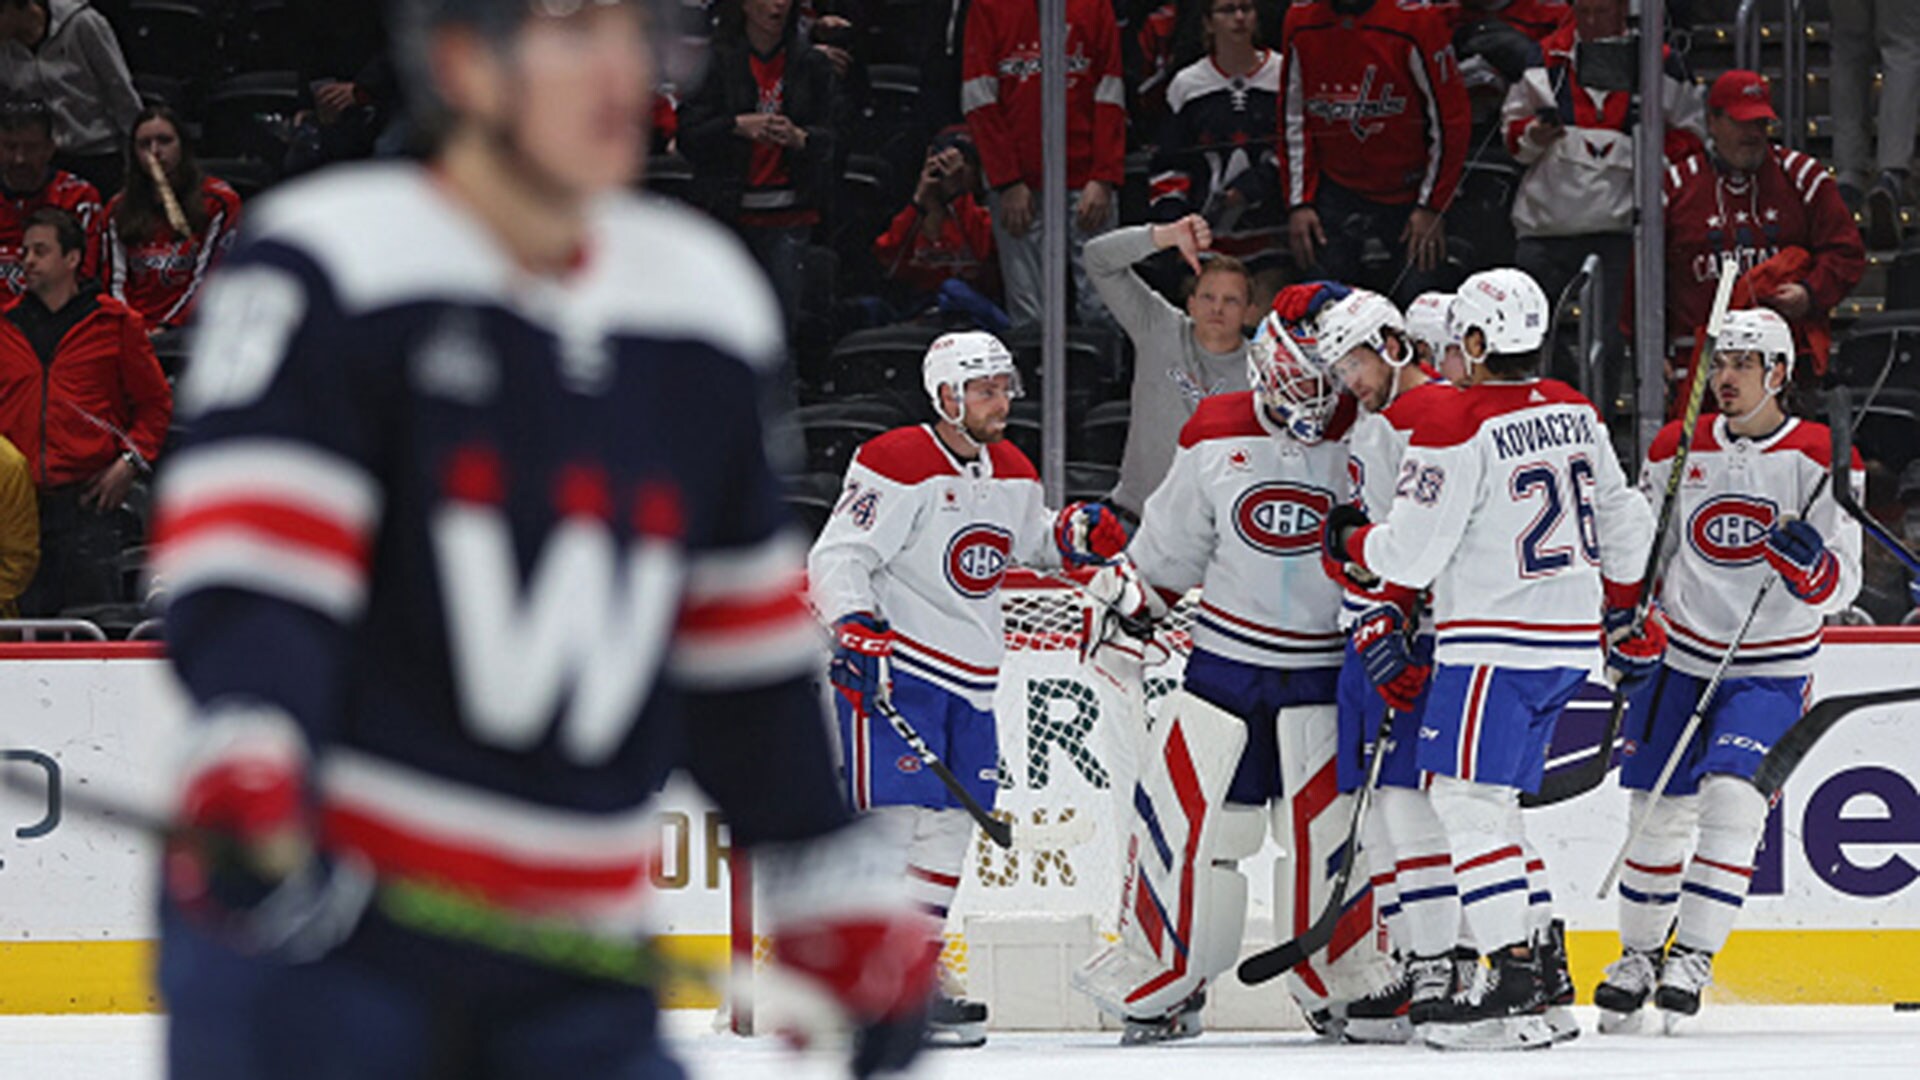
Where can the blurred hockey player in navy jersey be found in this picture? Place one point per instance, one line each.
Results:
(1744, 505)
(908, 572)
(1247, 746)
(1510, 505)
(472, 542)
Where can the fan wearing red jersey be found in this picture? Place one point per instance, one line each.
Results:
(29, 182)
(162, 245)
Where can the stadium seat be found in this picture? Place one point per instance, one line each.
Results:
(1093, 367)
(166, 90)
(834, 430)
(880, 359)
(1089, 482)
(251, 115)
(811, 497)
(1024, 430)
(670, 174)
(1101, 436)
(1888, 342)
(1480, 222)
(264, 36)
(246, 176)
(169, 37)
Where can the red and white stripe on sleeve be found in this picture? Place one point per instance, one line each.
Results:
(745, 620)
(272, 516)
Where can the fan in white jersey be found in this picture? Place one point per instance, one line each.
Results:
(908, 572)
(1510, 505)
(1749, 474)
(1239, 515)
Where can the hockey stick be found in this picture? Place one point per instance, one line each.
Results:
(275, 928)
(1585, 777)
(1070, 831)
(1284, 957)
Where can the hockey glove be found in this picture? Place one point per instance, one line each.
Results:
(1088, 533)
(1297, 302)
(1380, 640)
(1127, 597)
(1633, 658)
(1808, 568)
(241, 860)
(1342, 545)
(860, 952)
(861, 645)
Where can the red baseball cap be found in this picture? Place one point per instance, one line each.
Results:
(1743, 96)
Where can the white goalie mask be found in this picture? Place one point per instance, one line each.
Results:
(1508, 309)
(1362, 318)
(1287, 373)
(1760, 330)
(1427, 322)
(954, 360)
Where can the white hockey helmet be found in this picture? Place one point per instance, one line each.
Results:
(1506, 306)
(1287, 373)
(956, 359)
(1760, 330)
(1362, 318)
(1427, 322)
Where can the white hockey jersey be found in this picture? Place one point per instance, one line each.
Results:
(1378, 442)
(1510, 503)
(1240, 515)
(1733, 492)
(922, 539)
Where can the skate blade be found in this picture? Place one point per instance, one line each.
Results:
(955, 1037)
(1562, 1023)
(1156, 1035)
(1670, 1021)
(1619, 1023)
(1496, 1033)
(1392, 1031)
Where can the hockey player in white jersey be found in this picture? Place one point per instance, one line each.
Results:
(472, 542)
(1746, 517)
(1510, 505)
(907, 572)
(1239, 513)
(1433, 343)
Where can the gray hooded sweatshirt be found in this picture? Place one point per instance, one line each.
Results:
(78, 71)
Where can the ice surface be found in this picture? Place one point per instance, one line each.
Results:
(1744, 1042)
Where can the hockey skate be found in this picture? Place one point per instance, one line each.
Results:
(1182, 1023)
(1686, 974)
(1381, 1017)
(1557, 982)
(956, 1023)
(1624, 990)
(1506, 1012)
(1431, 982)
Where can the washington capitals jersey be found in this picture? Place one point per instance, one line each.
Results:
(923, 538)
(1239, 514)
(62, 191)
(1733, 491)
(1220, 135)
(507, 547)
(161, 276)
(1373, 102)
(1509, 502)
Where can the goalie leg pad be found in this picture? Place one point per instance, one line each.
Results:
(1715, 885)
(1489, 864)
(1181, 910)
(1650, 876)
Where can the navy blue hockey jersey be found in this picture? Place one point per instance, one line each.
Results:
(507, 547)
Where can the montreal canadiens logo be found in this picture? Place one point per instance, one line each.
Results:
(977, 559)
(1731, 530)
(1280, 518)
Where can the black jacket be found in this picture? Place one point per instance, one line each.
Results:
(719, 157)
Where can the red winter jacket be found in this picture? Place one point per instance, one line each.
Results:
(103, 393)
(1000, 93)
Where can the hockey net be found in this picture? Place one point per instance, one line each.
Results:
(1068, 728)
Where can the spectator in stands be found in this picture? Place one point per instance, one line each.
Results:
(1000, 94)
(163, 241)
(19, 528)
(1216, 155)
(28, 182)
(939, 249)
(1373, 139)
(1180, 357)
(761, 134)
(1773, 209)
(1503, 37)
(1577, 145)
(82, 396)
(64, 53)
(1861, 29)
